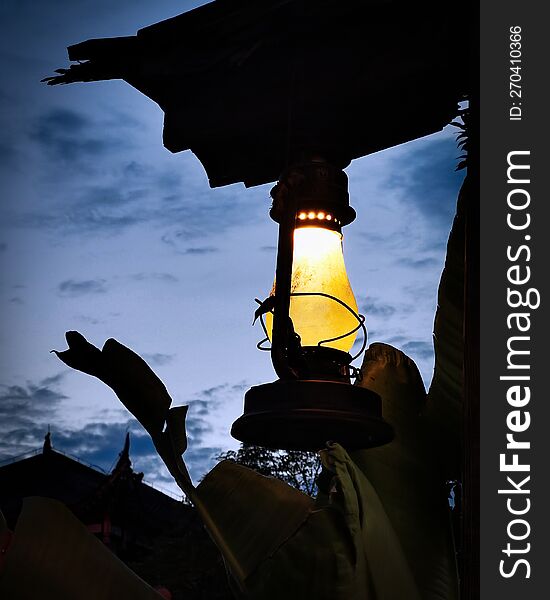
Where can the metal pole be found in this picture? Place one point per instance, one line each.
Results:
(283, 281)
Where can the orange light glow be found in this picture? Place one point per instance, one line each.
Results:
(318, 266)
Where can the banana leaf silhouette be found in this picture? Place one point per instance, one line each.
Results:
(53, 556)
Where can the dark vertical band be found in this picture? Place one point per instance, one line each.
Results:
(515, 408)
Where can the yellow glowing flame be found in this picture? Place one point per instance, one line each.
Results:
(318, 266)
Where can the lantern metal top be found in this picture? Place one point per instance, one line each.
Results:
(316, 186)
(250, 85)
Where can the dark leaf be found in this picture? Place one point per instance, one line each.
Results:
(405, 475)
(132, 380)
(136, 385)
(54, 557)
(81, 355)
(253, 514)
(175, 427)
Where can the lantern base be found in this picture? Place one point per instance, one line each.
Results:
(306, 414)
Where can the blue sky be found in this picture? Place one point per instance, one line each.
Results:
(104, 231)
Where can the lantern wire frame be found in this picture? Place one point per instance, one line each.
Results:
(360, 325)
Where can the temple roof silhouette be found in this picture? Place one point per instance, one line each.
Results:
(161, 539)
(130, 505)
(251, 85)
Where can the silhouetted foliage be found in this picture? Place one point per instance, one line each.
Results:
(187, 562)
(463, 137)
(298, 469)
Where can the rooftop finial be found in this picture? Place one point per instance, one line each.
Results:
(124, 461)
(47, 447)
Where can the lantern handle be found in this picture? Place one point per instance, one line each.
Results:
(360, 319)
(260, 345)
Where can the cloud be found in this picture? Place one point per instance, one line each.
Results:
(53, 379)
(99, 443)
(166, 277)
(418, 350)
(158, 359)
(120, 119)
(168, 181)
(108, 196)
(199, 407)
(107, 209)
(64, 120)
(20, 403)
(70, 136)
(90, 320)
(426, 177)
(179, 238)
(16, 300)
(71, 221)
(73, 288)
(206, 404)
(373, 307)
(166, 184)
(198, 416)
(201, 250)
(200, 212)
(397, 340)
(187, 213)
(8, 156)
(418, 263)
(134, 169)
(196, 429)
(27, 410)
(214, 393)
(201, 460)
(94, 181)
(423, 291)
(268, 248)
(24, 412)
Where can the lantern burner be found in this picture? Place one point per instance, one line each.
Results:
(306, 414)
